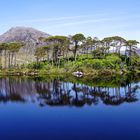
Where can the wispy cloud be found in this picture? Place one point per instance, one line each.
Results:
(95, 20)
(106, 19)
(77, 19)
(79, 22)
(84, 17)
(53, 19)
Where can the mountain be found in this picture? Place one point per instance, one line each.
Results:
(22, 34)
(29, 36)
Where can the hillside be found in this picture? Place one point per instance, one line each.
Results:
(29, 36)
(23, 34)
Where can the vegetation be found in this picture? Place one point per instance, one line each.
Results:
(65, 55)
(10, 51)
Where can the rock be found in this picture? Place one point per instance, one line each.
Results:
(78, 74)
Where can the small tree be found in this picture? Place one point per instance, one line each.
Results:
(88, 44)
(131, 48)
(77, 39)
(13, 49)
(58, 45)
(5, 48)
(40, 53)
(106, 42)
(118, 43)
(2, 47)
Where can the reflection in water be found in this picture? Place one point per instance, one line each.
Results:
(58, 93)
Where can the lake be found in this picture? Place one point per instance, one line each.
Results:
(53, 109)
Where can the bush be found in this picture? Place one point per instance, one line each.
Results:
(36, 65)
(110, 62)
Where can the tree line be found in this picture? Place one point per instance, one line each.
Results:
(9, 50)
(59, 47)
(62, 47)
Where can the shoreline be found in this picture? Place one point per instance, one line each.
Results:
(101, 81)
(62, 72)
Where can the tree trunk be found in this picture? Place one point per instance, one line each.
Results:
(9, 56)
(15, 60)
(12, 58)
(5, 61)
(75, 52)
(0, 59)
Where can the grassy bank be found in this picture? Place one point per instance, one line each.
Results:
(108, 66)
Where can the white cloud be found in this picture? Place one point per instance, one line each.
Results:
(53, 19)
(79, 22)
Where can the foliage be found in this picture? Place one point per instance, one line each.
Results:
(62, 54)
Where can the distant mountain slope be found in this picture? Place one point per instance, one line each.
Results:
(24, 34)
(29, 36)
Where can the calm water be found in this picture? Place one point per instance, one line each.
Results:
(56, 110)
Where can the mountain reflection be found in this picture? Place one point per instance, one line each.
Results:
(59, 93)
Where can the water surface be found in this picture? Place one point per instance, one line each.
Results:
(54, 109)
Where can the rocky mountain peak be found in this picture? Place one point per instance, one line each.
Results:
(22, 34)
(29, 36)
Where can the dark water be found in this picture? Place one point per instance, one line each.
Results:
(56, 110)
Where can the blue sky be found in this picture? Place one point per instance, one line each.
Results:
(99, 18)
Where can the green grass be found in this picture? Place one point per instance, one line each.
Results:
(111, 65)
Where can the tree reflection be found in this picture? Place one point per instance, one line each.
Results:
(58, 93)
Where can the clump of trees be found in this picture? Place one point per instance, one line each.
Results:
(61, 48)
(9, 50)
(79, 50)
